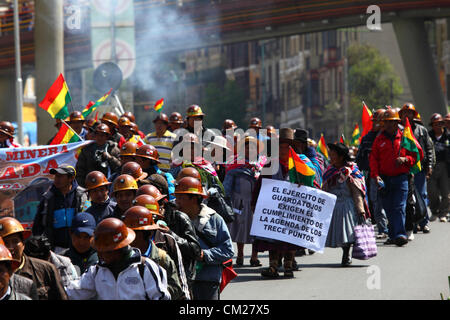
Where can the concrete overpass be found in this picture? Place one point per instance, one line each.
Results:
(229, 21)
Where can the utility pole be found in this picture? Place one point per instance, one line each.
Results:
(49, 57)
(263, 84)
(19, 82)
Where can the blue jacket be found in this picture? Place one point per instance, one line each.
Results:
(212, 227)
(103, 210)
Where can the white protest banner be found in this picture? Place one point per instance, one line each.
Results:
(298, 215)
(25, 176)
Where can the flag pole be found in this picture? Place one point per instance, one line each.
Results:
(72, 130)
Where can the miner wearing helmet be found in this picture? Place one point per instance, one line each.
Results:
(438, 184)
(176, 121)
(160, 247)
(216, 244)
(112, 121)
(101, 155)
(43, 274)
(7, 135)
(177, 224)
(97, 187)
(124, 192)
(162, 139)
(390, 166)
(76, 122)
(121, 266)
(427, 164)
(58, 207)
(362, 159)
(7, 266)
(132, 118)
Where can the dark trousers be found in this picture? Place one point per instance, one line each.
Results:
(206, 290)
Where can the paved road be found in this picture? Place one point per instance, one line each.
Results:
(419, 270)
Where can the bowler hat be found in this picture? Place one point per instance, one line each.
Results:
(286, 135)
(341, 149)
(301, 135)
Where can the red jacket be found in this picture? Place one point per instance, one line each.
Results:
(384, 153)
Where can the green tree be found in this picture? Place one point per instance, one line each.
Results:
(224, 102)
(372, 79)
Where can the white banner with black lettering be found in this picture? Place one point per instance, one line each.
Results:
(298, 215)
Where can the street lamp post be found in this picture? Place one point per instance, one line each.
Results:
(19, 82)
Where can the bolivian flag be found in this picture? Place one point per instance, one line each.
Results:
(410, 143)
(93, 105)
(299, 172)
(322, 147)
(65, 135)
(57, 99)
(158, 105)
(356, 135)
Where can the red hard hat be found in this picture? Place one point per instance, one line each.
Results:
(176, 117)
(255, 123)
(140, 218)
(189, 185)
(112, 234)
(135, 170)
(129, 115)
(110, 117)
(148, 151)
(95, 179)
(7, 128)
(150, 190)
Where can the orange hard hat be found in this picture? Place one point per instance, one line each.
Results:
(194, 111)
(134, 128)
(176, 117)
(129, 115)
(408, 106)
(10, 225)
(7, 128)
(436, 117)
(124, 182)
(112, 234)
(128, 149)
(124, 122)
(391, 115)
(5, 256)
(76, 116)
(149, 202)
(1, 241)
(139, 218)
(163, 117)
(89, 123)
(189, 185)
(150, 190)
(189, 172)
(229, 124)
(255, 123)
(378, 115)
(102, 128)
(135, 170)
(111, 118)
(148, 151)
(95, 179)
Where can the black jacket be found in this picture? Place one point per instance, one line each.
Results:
(81, 260)
(362, 157)
(441, 146)
(87, 161)
(54, 212)
(183, 231)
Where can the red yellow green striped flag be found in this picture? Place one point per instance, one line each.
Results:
(65, 135)
(57, 99)
(410, 143)
(91, 106)
(322, 147)
(158, 105)
(356, 136)
(366, 120)
(299, 172)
